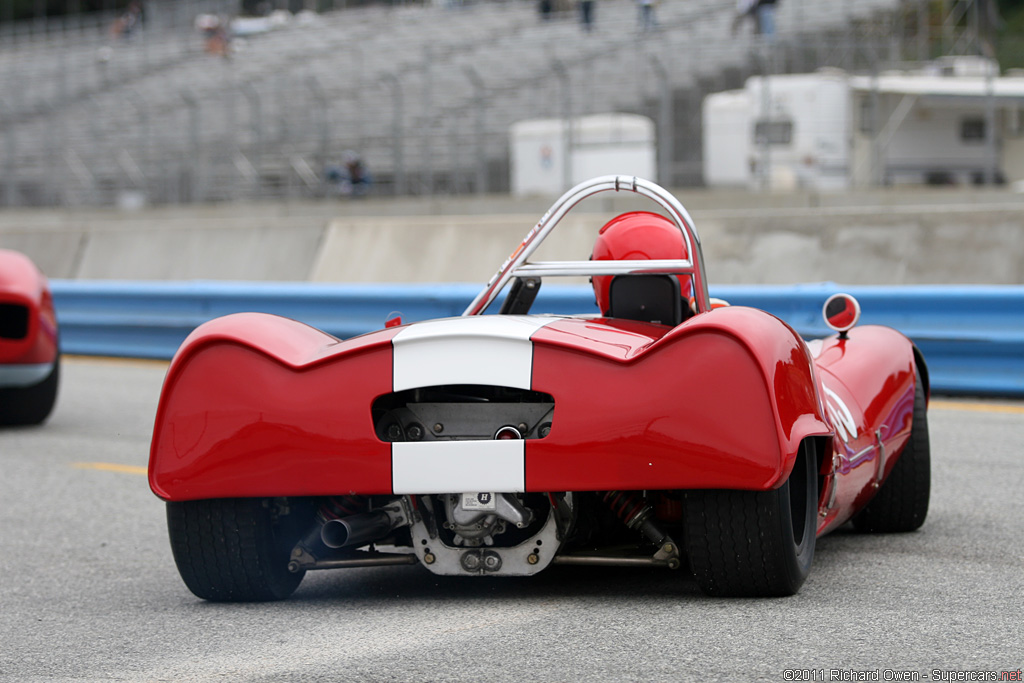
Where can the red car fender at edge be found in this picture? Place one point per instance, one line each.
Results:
(722, 401)
(21, 283)
(259, 405)
(868, 385)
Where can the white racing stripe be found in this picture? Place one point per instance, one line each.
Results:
(458, 466)
(492, 349)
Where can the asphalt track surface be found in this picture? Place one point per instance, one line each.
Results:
(90, 592)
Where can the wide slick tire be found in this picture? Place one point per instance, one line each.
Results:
(755, 543)
(901, 503)
(233, 550)
(30, 405)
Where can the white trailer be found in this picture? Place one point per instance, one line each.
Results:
(602, 144)
(781, 132)
(828, 130)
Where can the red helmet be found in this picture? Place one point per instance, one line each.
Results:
(635, 236)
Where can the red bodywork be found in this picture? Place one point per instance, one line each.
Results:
(868, 383)
(671, 427)
(257, 405)
(28, 323)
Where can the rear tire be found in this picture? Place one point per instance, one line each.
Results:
(233, 550)
(755, 543)
(901, 503)
(30, 405)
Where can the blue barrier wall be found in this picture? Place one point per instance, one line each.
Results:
(972, 337)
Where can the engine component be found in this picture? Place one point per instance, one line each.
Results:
(477, 561)
(477, 517)
(471, 529)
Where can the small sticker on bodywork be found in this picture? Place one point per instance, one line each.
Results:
(478, 501)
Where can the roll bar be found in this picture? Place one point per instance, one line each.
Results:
(517, 264)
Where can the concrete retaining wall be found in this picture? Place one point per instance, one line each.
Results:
(945, 237)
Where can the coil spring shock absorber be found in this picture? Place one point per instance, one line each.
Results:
(635, 513)
(342, 506)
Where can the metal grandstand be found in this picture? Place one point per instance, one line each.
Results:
(424, 93)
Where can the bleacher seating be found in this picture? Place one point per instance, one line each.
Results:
(426, 94)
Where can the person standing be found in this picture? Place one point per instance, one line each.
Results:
(761, 12)
(587, 14)
(766, 18)
(646, 18)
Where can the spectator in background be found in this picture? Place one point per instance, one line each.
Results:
(545, 7)
(646, 18)
(219, 43)
(760, 12)
(217, 40)
(766, 18)
(351, 178)
(587, 14)
(128, 22)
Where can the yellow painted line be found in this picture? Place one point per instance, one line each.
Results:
(111, 467)
(114, 360)
(978, 407)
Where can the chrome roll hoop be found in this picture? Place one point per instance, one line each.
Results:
(518, 265)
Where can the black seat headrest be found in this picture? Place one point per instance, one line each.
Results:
(647, 298)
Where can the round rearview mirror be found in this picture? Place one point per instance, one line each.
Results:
(841, 312)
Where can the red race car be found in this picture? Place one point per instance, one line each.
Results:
(670, 430)
(29, 350)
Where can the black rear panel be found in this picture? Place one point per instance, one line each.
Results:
(462, 412)
(13, 321)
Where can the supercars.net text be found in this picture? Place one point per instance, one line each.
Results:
(814, 675)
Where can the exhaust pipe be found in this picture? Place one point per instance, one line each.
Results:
(363, 528)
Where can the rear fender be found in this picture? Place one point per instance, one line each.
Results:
(259, 405)
(28, 321)
(868, 380)
(722, 401)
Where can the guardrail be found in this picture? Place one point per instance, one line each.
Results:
(971, 336)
